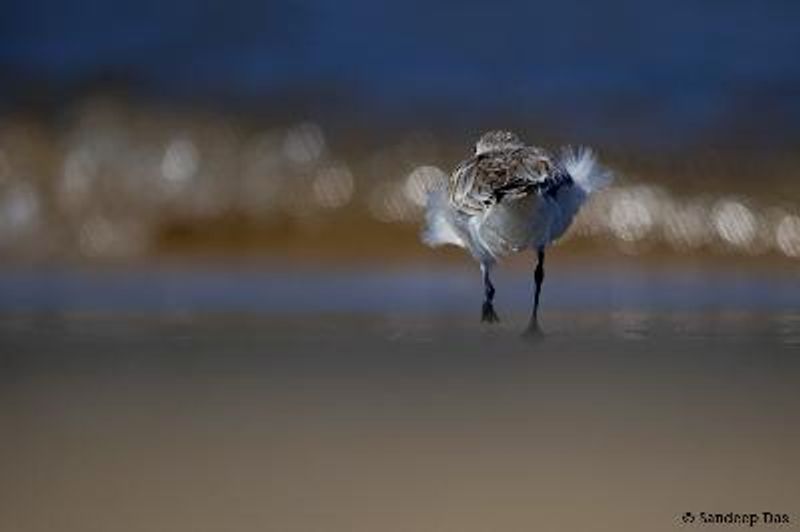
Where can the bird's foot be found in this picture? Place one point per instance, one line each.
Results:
(488, 314)
(533, 331)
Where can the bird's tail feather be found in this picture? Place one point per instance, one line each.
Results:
(581, 164)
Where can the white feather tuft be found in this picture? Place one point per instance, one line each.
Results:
(440, 228)
(581, 163)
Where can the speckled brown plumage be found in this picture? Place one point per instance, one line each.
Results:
(491, 176)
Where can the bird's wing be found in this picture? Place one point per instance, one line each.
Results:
(465, 194)
(486, 179)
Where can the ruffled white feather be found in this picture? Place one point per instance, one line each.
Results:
(440, 222)
(581, 163)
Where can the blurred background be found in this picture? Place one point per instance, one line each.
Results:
(216, 313)
(136, 131)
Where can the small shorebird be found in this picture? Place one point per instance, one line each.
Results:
(510, 197)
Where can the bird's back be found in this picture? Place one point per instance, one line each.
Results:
(485, 179)
(511, 197)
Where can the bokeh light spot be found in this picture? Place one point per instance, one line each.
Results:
(630, 218)
(787, 235)
(304, 143)
(180, 162)
(735, 223)
(420, 181)
(333, 186)
(19, 210)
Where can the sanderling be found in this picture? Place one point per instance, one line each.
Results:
(510, 197)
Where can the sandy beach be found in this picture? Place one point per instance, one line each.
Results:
(351, 422)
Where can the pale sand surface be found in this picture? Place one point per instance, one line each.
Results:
(390, 422)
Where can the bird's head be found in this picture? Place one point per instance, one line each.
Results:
(497, 140)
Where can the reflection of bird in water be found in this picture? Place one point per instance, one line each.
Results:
(511, 197)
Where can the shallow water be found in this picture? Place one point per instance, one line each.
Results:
(420, 291)
(173, 414)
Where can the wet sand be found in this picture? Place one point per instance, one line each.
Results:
(390, 422)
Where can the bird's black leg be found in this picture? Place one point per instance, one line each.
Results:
(487, 311)
(538, 277)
